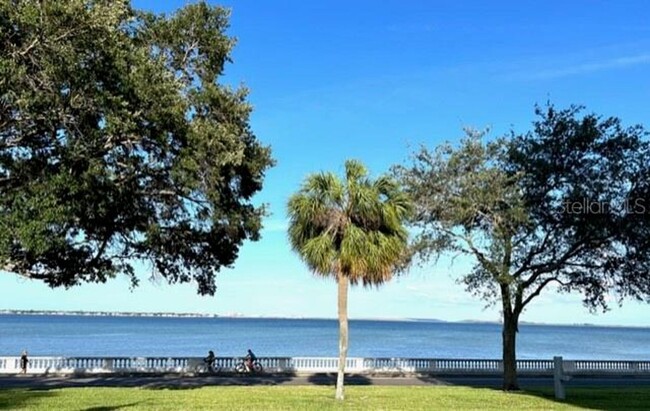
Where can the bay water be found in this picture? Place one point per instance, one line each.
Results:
(54, 335)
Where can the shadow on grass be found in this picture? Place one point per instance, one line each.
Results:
(21, 398)
(491, 381)
(596, 396)
(27, 398)
(171, 381)
(330, 379)
(599, 398)
(113, 407)
(224, 379)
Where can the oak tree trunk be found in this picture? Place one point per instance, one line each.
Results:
(509, 352)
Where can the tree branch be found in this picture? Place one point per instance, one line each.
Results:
(548, 267)
(539, 290)
(9, 267)
(29, 48)
(529, 258)
(483, 260)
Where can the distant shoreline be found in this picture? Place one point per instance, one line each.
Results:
(107, 313)
(244, 317)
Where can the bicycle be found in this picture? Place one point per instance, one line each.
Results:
(209, 368)
(243, 369)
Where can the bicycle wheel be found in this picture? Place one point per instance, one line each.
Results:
(257, 367)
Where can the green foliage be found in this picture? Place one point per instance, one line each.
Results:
(463, 197)
(352, 227)
(117, 143)
(523, 209)
(585, 181)
(508, 204)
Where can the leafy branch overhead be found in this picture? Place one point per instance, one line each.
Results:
(117, 143)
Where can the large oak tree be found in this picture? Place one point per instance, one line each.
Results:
(119, 144)
(564, 205)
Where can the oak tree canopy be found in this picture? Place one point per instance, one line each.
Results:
(118, 144)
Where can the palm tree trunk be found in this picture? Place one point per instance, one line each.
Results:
(343, 334)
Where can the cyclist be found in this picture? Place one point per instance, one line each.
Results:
(209, 360)
(24, 361)
(249, 360)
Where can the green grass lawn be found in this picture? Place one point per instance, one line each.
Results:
(300, 398)
(319, 398)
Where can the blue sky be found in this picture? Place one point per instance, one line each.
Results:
(373, 80)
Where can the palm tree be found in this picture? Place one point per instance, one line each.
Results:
(352, 230)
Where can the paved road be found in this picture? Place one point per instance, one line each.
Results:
(176, 381)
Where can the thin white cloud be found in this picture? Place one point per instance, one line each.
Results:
(585, 68)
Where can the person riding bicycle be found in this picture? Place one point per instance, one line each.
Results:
(249, 360)
(209, 360)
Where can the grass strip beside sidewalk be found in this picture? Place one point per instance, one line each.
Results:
(319, 398)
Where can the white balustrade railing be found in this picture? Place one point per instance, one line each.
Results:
(606, 367)
(107, 365)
